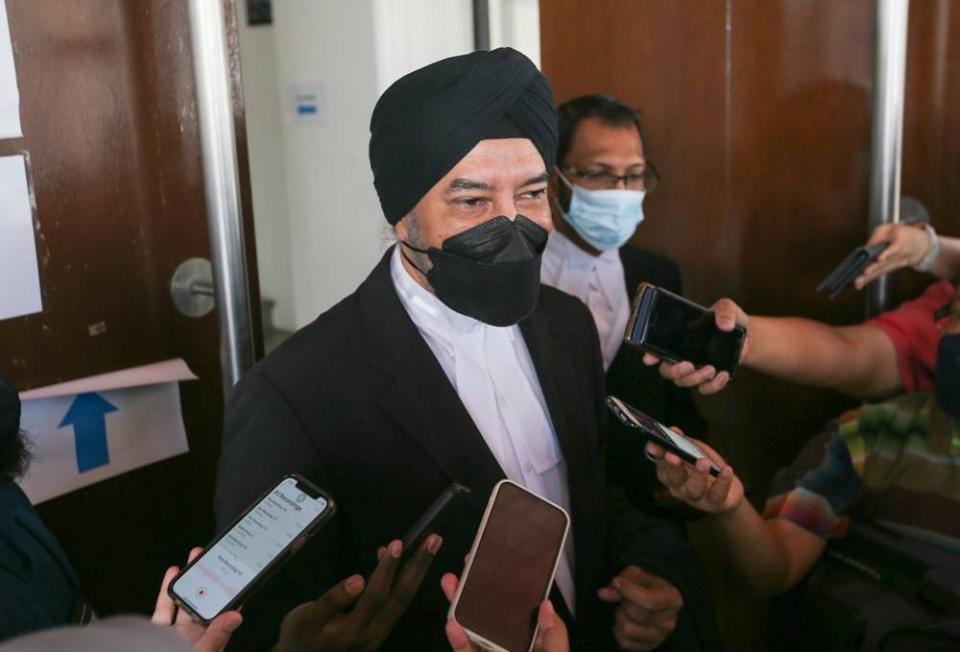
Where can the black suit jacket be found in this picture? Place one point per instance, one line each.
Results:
(357, 403)
(643, 387)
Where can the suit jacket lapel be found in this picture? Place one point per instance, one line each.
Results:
(563, 388)
(418, 394)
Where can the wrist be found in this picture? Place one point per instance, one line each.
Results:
(932, 251)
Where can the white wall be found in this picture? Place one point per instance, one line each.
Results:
(352, 50)
(259, 68)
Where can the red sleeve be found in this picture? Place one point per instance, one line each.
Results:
(915, 335)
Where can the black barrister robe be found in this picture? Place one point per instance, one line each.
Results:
(357, 403)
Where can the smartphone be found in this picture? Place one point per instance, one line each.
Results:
(659, 434)
(435, 519)
(850, 268)
(510, 568)
(676, 330)
(229, 570)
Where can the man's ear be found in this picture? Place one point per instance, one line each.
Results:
(400, 229)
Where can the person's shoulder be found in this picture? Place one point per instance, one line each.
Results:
(558, 305)
(651, 267)
(331, 340)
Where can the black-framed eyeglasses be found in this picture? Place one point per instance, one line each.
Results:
(603, 180)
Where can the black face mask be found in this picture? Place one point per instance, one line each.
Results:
(947, 375)
(490, 272)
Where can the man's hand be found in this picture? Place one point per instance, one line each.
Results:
(694, 485)
(706, 379)
(326, 625)
(204, 638)
(552, 636)
(908, 246)
(648, 611)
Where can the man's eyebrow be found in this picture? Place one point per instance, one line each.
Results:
(461, 183)
(543, 177)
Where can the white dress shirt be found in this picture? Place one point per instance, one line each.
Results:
(491, 370)
(597, 281)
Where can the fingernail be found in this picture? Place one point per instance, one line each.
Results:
(381, 551)
(232, 624)
(616, 583)
(433, 545)
(396, 549)
(354, 585)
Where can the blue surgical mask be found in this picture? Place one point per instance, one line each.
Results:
(946, 374)
(605, 219)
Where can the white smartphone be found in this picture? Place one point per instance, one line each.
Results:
(251, 549)
(510, 569)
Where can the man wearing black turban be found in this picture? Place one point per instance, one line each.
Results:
(450, 363)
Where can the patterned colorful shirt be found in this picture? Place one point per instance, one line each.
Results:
(896, 462)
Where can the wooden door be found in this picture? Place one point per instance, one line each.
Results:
(110, 125)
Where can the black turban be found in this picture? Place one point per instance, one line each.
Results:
(9, 411)
(428, 120)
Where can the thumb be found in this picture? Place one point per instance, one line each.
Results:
(553, 633)
(218, 633)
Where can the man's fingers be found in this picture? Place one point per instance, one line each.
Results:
(718, 493)
(649, 359)
(642, 635)
(336, 600)
(694, 377)
(609, 594)
(647, 591)
(165, 609)
(218, 633)
(378, 586)
(449, 583)
(715, 385)
(409, 578)
(696, 485)
(457, 637)
(553, 634)
(194, 553)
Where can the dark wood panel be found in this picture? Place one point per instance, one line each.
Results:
(110, 123)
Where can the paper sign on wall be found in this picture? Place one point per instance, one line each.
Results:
(9, 93)
(95, 433)
(19, 276)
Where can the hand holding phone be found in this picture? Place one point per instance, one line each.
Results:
(551, 635)
(359, 614)
(677, 330)
(694, 485)
(254, 547)
(654, 431)
(850, 268)
(510, 569)
(435, 520)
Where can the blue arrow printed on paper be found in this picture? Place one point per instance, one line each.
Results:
(87, 415)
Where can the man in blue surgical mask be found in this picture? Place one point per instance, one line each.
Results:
(598, 189)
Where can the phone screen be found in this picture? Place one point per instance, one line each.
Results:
(688, 332)
(656, 428)
(512, 568)
(228, 566)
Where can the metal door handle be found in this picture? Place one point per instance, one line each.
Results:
(191, 288)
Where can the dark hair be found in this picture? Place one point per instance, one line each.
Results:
(610, 110)
(14, 457)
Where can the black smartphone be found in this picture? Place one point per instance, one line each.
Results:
(510, 569)
(659, 434)
(435, 519)
(676, 330)
(228, 571)
(852, 266)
